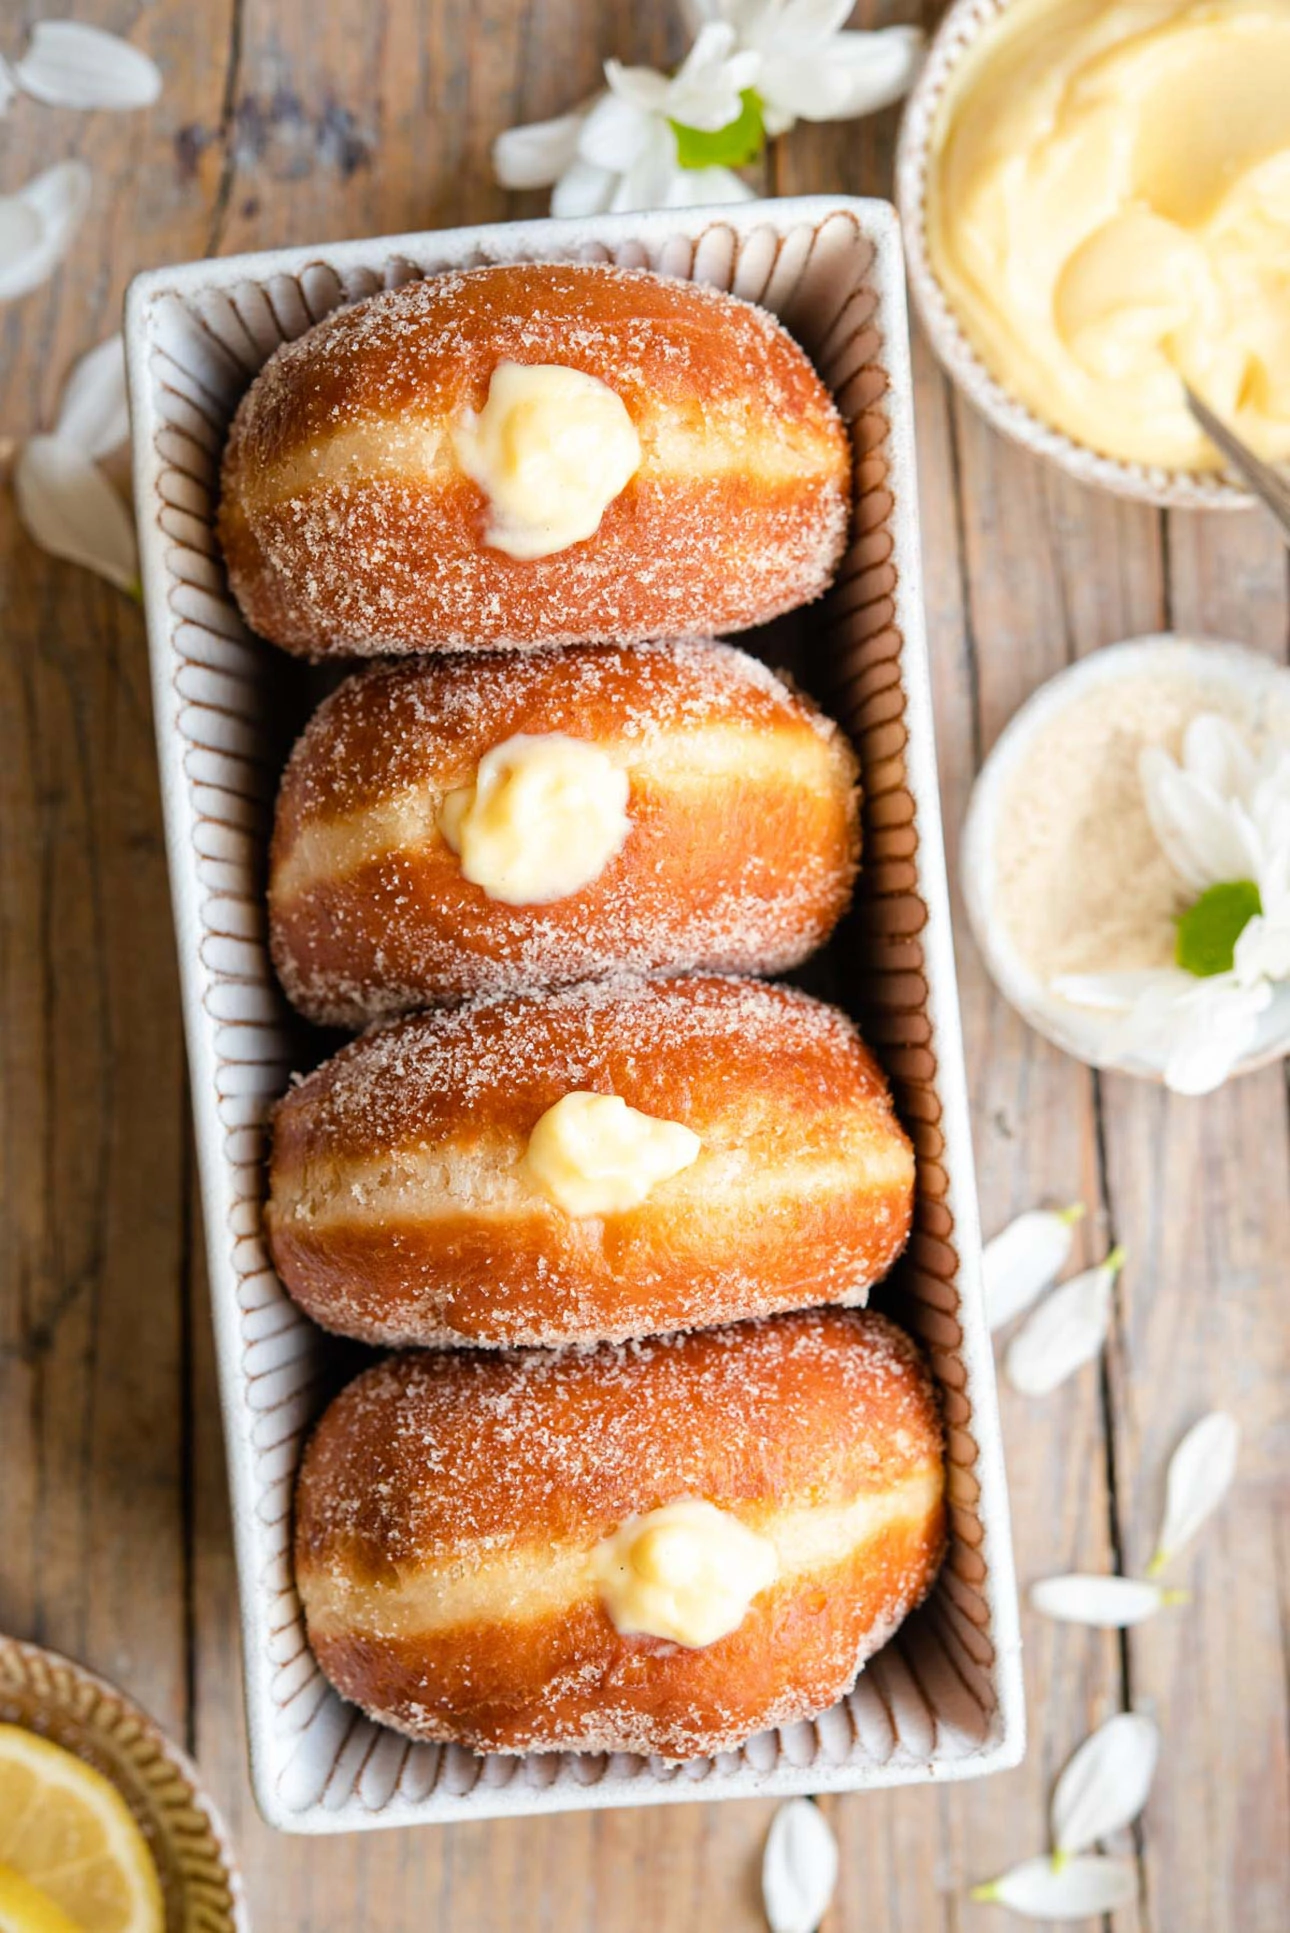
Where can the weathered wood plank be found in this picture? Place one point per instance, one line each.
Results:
(92, 1444)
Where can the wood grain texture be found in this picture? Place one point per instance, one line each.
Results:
(281, 122)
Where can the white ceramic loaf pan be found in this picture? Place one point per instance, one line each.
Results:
(944, 1699)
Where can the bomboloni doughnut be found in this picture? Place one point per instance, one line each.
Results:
(662, 1547)
(448, 827)
(610, 1161)
(540, 453)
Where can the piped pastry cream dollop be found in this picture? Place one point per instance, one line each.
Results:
(542, 818)
(687, 1571)
(551, 449)
(594, 1155)
(1108, 213)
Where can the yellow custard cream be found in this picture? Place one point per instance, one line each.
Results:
(688, 1572)
(543, 817)
(1108, 212)
(594, 1155)
(551, 448)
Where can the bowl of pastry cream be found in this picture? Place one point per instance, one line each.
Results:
(1095, 196)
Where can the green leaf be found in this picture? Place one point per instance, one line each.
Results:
(732, 146)
(1208, 931)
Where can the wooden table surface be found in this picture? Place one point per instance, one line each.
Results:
(285, 121)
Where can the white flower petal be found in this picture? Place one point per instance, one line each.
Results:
(1203, 839)
(616, 134)
(1117, 992)
(94, 415)
(1108, 1603)
(1200, 1475)
(853, 74)
(1263, 949)
(1024, 1259)
(705, 187)
(71, 510)
(1211, 1032)
(8, 85)
(643, 88)
(536, 155)
(1215, 753)
(71, 65)
(1065, 1331)
(1074, 1889)
(583, 189)
(800, 1868)
(1105, 1783)
(37, 225)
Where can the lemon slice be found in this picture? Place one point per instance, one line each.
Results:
(25, 1909)
(67, 1831)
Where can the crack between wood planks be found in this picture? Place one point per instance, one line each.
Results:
(970, 653)
(1115, 1521)
(227, 132)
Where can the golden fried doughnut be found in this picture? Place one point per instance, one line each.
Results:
(729, 844)
(684, 458)
(487, 1547)
(435, 1183)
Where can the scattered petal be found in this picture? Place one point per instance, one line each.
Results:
(1105, 1784)
(95, 415)
(1109, 1603)
(800, 1868)
(1046, 1889)
(72, 511)
(1025, 1258)
(37, 225)
(536, 155)
(1200, 1475)
(71, 65)
(1066, 1330)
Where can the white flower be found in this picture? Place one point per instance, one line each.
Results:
(64, 499)
(37, 225)
(620, 151)
(1222, 817)
(810, 70)
(1106, 1603)
(1077, 1889)
(1105, 1784)
(68, 64)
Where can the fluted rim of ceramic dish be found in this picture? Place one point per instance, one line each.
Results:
(1059, 1021)
(56, 1698)
(1165, 488)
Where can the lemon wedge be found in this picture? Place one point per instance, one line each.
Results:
(25, 1909)
(69, 1846)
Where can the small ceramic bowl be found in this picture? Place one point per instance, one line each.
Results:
(185, 1834)
(1082, 1031)
(1170, 489)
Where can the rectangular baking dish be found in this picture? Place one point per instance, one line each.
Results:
(943, 1700)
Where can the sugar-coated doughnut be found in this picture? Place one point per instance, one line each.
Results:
(730, 844)
(614, 1160)
(676, 446)
(487, 1547)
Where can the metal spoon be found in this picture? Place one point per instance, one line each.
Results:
(1268, 484)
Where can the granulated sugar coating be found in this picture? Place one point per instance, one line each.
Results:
(349, 528)
(401, 1209)
(436, 1482)
(740, 854)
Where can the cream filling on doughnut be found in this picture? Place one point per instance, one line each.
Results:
(687, 1571)
(477, 1584)
(741, 1168)
(328, 850)
(542, 817)
(551, 449)
(594, 1155)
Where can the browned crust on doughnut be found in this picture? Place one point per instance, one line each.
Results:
(375, 554)
(742, 865)
(399, 1213)
(432, 1464)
